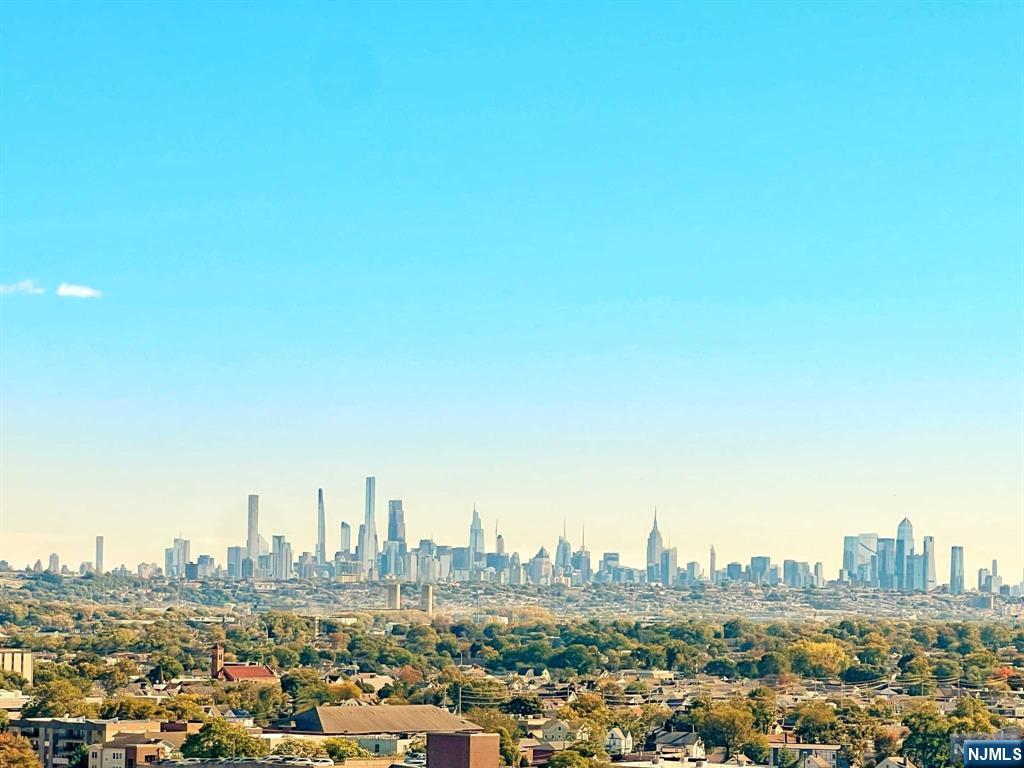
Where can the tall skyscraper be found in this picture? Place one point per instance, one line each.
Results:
(499, 541)
(930, 581)
(887, 563)
(476, 541)
(368, 532)
(654, 548)
(711, 565)
(252, 541)
(851, 544)
(760, 567)
(867, 559)
(281, 559)
(346, 538)
(396, 521)
(563, 554)
(956, 571)
(99, 556)
(235, 557)
(669, 566)
(321, 528)
(904, 549)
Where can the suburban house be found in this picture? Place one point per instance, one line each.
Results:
(618, 743)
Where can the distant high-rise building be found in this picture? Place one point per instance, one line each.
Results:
(984, 580)
(321, 528)
(476, 541)
(99, 556)
(669, 566)
(916, 575)
(850, 546)
(996, 580)
(581, 564)
(252, 541)
(887, 563)
(540, 568)
(54, 564)
(368, 532)
(904, 549)
(819, 575)
(759, 569)
(235, 557)
(499, 541)
(711, 565)
(282, 561)
(396, 521)
(867, 559)
(956, 571)
(930, 580)
(563, 554)
(176, 557)
(654, 548)
(346, 539)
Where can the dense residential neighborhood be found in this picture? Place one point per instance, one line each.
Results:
(94, 678)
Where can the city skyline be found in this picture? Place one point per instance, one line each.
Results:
(869, 559)
(757, 268)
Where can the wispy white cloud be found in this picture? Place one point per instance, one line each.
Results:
(78, 291)
(22, 286)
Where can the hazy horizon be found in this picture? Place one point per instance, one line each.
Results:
(756, 265)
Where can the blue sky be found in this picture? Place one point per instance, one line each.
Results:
(756, 263)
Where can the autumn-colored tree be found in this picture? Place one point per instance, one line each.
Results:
(17, 752)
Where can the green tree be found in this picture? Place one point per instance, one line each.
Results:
(129, 708)
(757, 749)
(79, 757)
(568, 759)
(728, 724)
(764, 706)
(816, 722)
(338, 749)
(521, 705)
(970, 715)
(58, 698)
(165, 668)
(772, 663)
(927, 744)
(297, 748)
(219, 738)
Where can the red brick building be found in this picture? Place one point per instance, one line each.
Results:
(463, 750)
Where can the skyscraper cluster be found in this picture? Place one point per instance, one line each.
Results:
(868, 560)
(895, 563)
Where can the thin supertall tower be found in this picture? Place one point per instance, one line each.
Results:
(368, 534)
(252, 541)
(321, 528)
